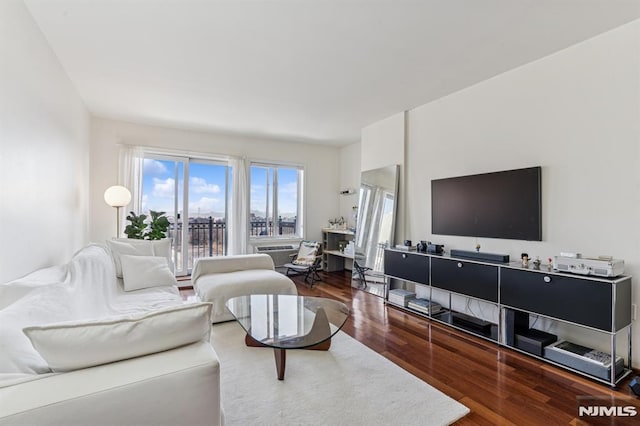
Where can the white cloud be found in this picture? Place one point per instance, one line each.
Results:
(199, 185)
(158, 204)
(153, 167)
(163, 188)
(206, 206)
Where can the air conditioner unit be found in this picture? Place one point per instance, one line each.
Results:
(280, 254)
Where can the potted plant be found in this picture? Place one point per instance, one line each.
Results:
(139, 230)
(158, 226)
(135, 229)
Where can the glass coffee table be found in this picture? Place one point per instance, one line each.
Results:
(288, 322)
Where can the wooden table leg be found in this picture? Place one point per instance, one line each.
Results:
(319, 329)
(250, 341)
(281, 358)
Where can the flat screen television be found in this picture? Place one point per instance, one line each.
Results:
(504, 204)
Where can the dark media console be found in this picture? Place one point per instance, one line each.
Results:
(599, 305)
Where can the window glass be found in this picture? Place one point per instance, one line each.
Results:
(197, 211)
(275, 202)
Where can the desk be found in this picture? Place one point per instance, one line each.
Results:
(332, 258)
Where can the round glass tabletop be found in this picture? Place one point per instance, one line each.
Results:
(287, 321)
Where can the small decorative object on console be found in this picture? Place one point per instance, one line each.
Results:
(571, 254)
(603, 266)
(429, 247)
(525, 259)
(536, 263)
(435, 248)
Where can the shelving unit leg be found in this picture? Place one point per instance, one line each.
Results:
(612, 376)
(629, 346)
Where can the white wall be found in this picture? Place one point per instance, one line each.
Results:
(44, 151)
(349, 179)
(576, 113)
(321, 163)
(383, 144)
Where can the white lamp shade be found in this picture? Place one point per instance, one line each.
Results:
(117, 196)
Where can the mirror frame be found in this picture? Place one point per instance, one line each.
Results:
(367, 177)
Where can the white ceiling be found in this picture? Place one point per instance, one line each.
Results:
(307, 70)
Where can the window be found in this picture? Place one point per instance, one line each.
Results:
(194, 195)
(275, 201)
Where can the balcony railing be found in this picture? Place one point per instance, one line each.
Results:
(263, 227)
(208, 237)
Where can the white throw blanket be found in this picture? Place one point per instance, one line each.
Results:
(89, 290)
(97, 293)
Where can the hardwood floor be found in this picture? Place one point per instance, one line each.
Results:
(499, 385)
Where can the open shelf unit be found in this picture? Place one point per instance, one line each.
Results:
(594, 334)
(332, 258)
(597, 309)
(450, 317)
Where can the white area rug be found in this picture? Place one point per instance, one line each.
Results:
(348, 385)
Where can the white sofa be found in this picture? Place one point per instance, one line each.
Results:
(160, 374)
(218, 279)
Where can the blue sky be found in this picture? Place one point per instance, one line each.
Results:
(207, 188)
(287, 191)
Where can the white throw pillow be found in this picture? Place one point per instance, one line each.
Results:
(72, 346)
(307, 253)
(159, 247)
(133, 247)
(121, 248)
(146, 271)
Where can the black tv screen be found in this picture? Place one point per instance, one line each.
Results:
(503, 204)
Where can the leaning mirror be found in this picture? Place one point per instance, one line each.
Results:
(374, 227)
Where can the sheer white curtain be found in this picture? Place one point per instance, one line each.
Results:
(130, 164)
(238, 216)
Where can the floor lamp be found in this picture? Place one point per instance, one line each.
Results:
(117, 196)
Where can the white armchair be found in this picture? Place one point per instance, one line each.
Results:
(218, 279)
